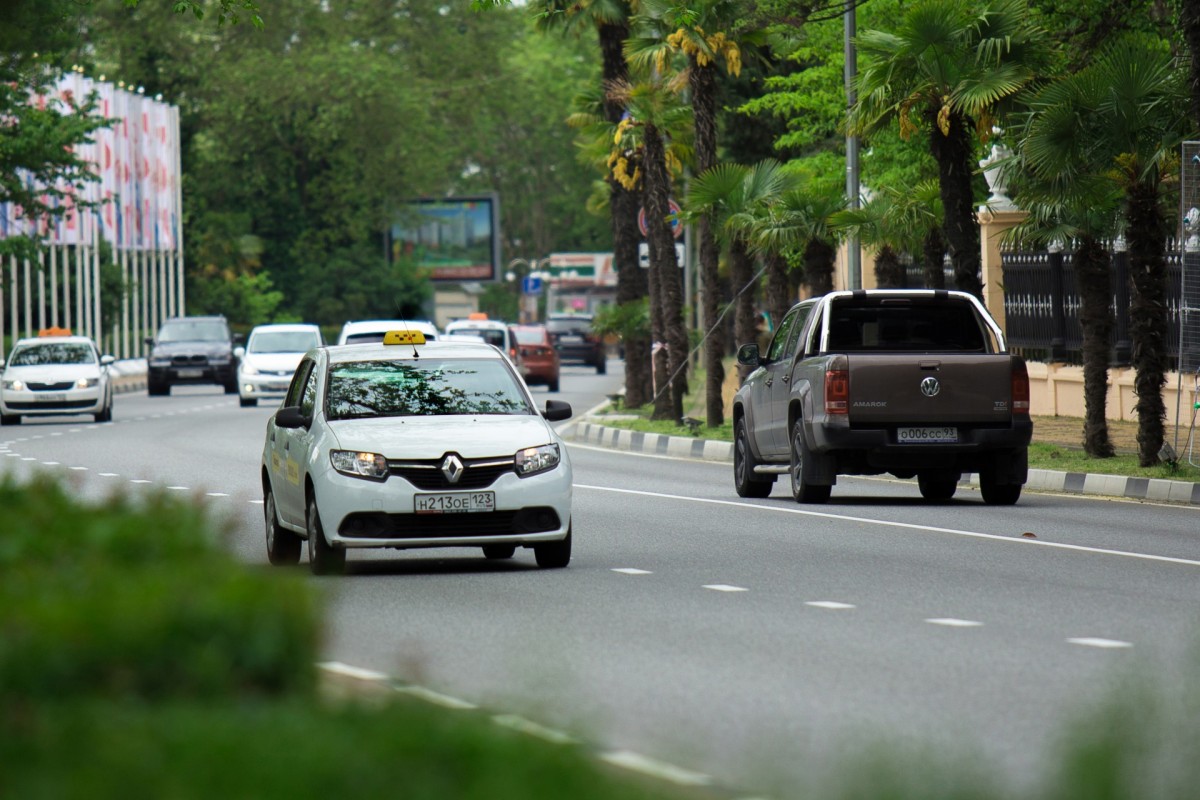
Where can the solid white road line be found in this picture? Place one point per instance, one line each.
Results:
(522, 725)
(358, 673)
(632, 571)
(1109, 644)
(830, 604)
(437, 698)
(724, 587)
(951, 622)
(995, 537)
(655, 768)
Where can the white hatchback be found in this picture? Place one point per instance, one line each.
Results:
(55, 375)
(268, 361)
(414, 444)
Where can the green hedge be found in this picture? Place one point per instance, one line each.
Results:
(140, 599)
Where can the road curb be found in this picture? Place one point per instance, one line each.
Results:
(1040, 480)
(128, 375)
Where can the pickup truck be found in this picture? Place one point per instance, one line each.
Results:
(908, 382)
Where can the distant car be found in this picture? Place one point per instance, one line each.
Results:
(410, 444)
(538, 354)
(267, 362)
(55, 375)
(371, 331)
(492, 331)
(191, 350)
(576, 342)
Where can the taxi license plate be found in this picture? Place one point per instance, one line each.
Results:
(53, 397)
(926, 435)
(190, 373)
(455, 503)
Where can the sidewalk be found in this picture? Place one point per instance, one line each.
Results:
(591, 430)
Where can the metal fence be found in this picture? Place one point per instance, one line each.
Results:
(1042, 318)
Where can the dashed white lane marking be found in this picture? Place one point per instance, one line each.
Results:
(951, 622)
(75, 430)
(1110, 644)
(658, 769)
(903, 525)
(523, 725)
(437, 698)
(50, 463)
(632, 571)
(139, 480)
(358, 673)
(830, 604)
(108, 475)
(178, 488)
(13, 455)
(724, 587)
(256, 502)
(57, 433)
(28, 458)
(80, 469)
(217, 494)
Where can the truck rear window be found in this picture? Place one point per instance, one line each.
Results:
(905, 327)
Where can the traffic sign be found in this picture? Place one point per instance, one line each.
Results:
(676, 225)
(531, 285)
(644, 255)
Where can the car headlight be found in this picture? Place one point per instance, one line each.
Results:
(248, 369)
(359, 465)
(533, 460)
(86, 383)
(15, 385)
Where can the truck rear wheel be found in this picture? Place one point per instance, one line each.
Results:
(998, 494)
(937, 487)
(744, 480)
(801, 471)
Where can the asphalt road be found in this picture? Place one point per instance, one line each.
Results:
(752, 641)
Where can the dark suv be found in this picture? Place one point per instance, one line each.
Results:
(190, 350)
(575, 342)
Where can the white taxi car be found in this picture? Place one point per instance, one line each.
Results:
(268, 361)
(414, 444)
(53, 376)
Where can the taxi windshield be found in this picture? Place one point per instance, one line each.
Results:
(423, 387)
(56, 353)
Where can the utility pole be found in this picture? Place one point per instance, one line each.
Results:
(853, 249)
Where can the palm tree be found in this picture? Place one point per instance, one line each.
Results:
(919, 208)
(699, 30)
(649, 145)
(734, 196)
(880, 224)
(948, 69)
(610, 19)
(1068, 190)
(799, 223)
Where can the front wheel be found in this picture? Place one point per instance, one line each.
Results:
(10, 419)
(157, 389)
(322, 559)
(745, 481)
(283, 546)
(802, 487)
(498, 552)
(601, 367)
(231, 387)
(553, 555)
(248, 402)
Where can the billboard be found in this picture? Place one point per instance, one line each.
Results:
(455, 239)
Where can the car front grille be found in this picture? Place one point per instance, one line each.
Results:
(377, 525)
(58, 405)
(50, 387)
(189, 361)
(427, 475)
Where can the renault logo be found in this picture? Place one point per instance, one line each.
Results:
(929, 387)
(452, 468)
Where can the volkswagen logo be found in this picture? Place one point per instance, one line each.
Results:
(452, 468)
(929, 387)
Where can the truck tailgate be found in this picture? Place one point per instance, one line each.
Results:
(910, 388)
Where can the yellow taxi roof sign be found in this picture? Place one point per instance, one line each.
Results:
(404, 337)
(477, 315)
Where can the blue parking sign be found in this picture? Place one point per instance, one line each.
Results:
(531, 285)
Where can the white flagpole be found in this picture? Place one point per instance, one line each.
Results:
(66, 282)
(12, 301)
(80, 317)
(99, 328)
(178, 221)
(156, 309)
(119, 258)
(41, 289)
(2, 316)
(144, 295)
(28, 300)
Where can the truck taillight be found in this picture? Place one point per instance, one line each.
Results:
(837, 391)
(1020, 387)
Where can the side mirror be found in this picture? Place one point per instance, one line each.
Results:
(238, 352)
(106, 360)
(748, 355)
(149, 340)
(557, 410)
(1, 363)
(291, 417)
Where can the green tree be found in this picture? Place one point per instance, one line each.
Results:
(946, 70)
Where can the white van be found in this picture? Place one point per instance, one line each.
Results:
(372, 330)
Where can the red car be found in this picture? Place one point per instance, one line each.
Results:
(540, 359)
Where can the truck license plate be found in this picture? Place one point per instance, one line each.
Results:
(455, 502)
(926, 435)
